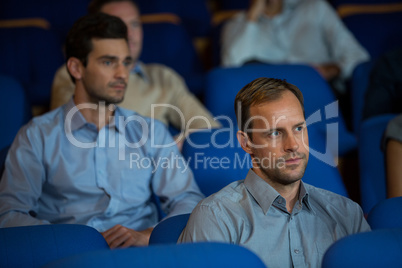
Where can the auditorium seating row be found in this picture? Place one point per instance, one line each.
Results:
(70, 245)
(174, 24)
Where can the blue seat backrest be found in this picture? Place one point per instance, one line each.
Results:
(385, 214)
(379, 248)
(319, 100)
(359, 84)
(31, 55)
(35, 246)
(14, 108)
(377, 32)
(216, 159)
(195, 255)
(169, 230)
(195, 15)
(170, 44)
(371, 161)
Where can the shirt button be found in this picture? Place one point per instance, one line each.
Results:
(280, 201)
(296, 251)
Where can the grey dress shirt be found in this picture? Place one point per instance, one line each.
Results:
(253, 214)
(97, 178)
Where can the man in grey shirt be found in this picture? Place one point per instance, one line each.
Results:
(286, 222)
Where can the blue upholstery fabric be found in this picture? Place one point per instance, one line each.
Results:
(217, 159)
(14, 109)
(322, 171)
(224, 83)
(379, 248)
(60, 14)
(31, 55)
(196, 255)
(195, 15)
(386, 214)
(359, 84)
(377, 32)
(35, 246)
(371, 161)
(234, 4)
(170, 44)
(169, 230)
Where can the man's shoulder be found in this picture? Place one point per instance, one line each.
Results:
(327, 198)
(226, 197)
(51, 119)
(157, 71)
(42, 125)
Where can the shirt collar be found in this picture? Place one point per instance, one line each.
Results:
(71, 113)
(265, 194)
(304, 197)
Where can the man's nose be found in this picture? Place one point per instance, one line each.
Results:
(291, 143)
(121, 71)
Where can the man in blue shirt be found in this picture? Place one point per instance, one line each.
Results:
(91, 162)
(286, 222)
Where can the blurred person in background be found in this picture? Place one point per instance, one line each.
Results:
(149, 84)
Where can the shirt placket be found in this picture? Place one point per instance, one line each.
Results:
(295, 243)
(101, 164)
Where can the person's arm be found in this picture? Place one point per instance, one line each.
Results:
(343, 46)
(256, 10)
(328, 71)
(393, 156)
(22, 180)
(123, 237)
(240, 41)
(172, 179)
(62, 88)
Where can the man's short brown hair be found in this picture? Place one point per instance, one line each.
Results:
(259, 91)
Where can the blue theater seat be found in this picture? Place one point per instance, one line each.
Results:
(320, 103)
(169, 230)
(195, 255)
(14, 108)
(169, 44)
(31, 55)
(35, 246)
(371, 161)
(385, 214)
(379, 248)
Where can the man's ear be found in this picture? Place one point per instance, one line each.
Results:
(75, 68)
(244, 141)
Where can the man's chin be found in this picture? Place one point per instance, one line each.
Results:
(114, 101)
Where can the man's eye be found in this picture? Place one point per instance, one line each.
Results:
(299, 128)
(107, 62)
(127, 63)
(274, 133)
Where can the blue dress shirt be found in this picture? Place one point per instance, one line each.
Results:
(253, 214)
(57, 172)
